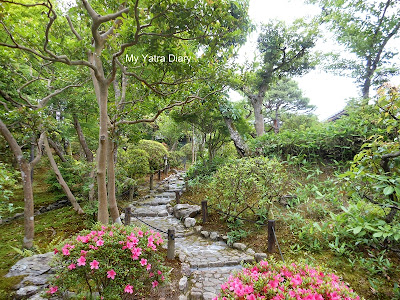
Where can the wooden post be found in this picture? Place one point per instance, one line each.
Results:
(271, 236)
(128, 212)
(151, 182)
(159, 175)
(186, 184)
(171, 244)
(131, 191)
(177, 196)
(204, 211)
(165, 165)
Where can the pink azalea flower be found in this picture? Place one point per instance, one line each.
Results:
(128, 289)
(94, 264)
(100, 243)
(111, 274)
(111, 233)
(159, 272)
(72, 266)
(154, 283)
(81, 261)
(52, 290)
(83, 252)
(148, 267)
(55, 250)
(143, 261)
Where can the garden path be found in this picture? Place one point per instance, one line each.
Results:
(206, 263)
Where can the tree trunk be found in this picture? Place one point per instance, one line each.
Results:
(61, 180)
(111, 183)
(25, 170)
(276, 122)
(240, 145)
(257, 102)
(102, 155)
(193, 152)
(57, 150)
(390, 216)
(82, 140)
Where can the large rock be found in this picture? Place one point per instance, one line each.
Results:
(189, 222)
(34, 265)
(183, 211)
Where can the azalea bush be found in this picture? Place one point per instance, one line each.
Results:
(279, 281)
(109, 262)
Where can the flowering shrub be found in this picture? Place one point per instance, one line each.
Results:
(278, 281)
(113, 261)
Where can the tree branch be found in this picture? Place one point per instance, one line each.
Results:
(71, 26)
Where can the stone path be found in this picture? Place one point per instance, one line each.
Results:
(207, 261)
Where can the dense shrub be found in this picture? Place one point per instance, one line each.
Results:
(203, 170)
(7, 182)
(76, 175)
(279, 281)
(175, 159)
(133, 163)
(156, 152)
(339, 140)
(112, 261)
(247, 187)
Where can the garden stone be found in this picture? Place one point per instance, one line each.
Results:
(26, 291)
(189, 222)
(170, 209)
(35, 265)
(214, 235)
(196, 294)
(239, 246)
(209, 296)
(260, 256)
(182, 211)
(250, 251)
(183, 284)
(198, 228)
(182, 297)
(205, 233)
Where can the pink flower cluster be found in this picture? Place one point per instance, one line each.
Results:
(278, 282)
(85, 255)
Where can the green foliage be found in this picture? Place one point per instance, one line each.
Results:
(113, 261)
(156, 152)
(374, 173)
(339, 140)
(175, 158)
(203, 170)
(8, 183)
(73, 172)
(133, 162)
(244, 186)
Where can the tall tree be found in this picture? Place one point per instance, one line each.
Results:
(365, 28)
(284, 96)
(284, 51)
(97, 35)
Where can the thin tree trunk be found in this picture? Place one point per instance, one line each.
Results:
(82, 140)
(111, 183)
(193, 152)
(25, 169)
(102, 156)
(61, 180)
(57, 150)
(240, 145)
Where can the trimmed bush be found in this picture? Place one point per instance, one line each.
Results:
(247, 187)
(133, 163)
(279, 281)
(111, 261)
(156, 152)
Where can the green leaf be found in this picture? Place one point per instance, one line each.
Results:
(388, 190)
(377, 234)
(357, 229)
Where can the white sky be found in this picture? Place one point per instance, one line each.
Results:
(327, 91)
